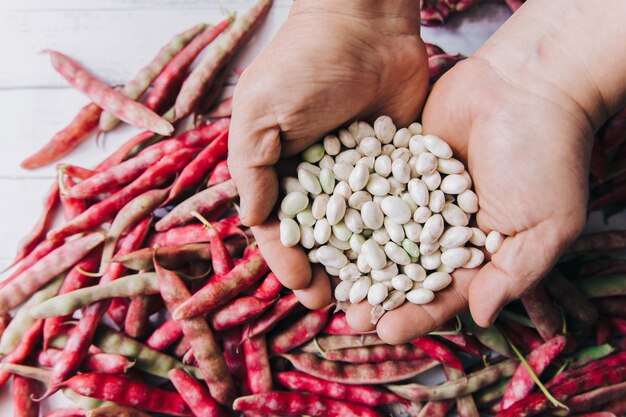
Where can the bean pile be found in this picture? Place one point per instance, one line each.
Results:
(152, 299)
(387, 211)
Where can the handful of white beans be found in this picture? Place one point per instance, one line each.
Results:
(387, 211)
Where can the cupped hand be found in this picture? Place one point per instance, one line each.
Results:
(331, 62)
(528, 156)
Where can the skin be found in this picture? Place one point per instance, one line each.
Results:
(520, 113)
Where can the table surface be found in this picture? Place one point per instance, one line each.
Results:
(114, 38)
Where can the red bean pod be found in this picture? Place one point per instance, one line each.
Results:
(205, 347)
(196, 233)
(219, 174)
(107, 363)
(379, 353)
(596, 398)
(72, 207)
(377, 373)
(24, 390)
(522, 383)
(27, 345)
(370, 396)
(137, 324)
(438, 351)
(283, 308)
(108, 99)
(238, 312)
(125, 391)
(542, 312)
(234, 356)
(106, 209)
(222, 289)
(300, 332)
(296, 403)
(257, 364)
(598, 242)
(436, 408)
(66, 140)
(195, 395)
(337, 324)
(327, 343)
(66, 412)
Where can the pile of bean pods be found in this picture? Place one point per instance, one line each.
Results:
(151, 299)
(387, 211)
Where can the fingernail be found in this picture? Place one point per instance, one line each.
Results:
(243, 209)
(493, 318)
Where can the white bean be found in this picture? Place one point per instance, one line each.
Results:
(445, 268)
(357, 199)
(453, 184)
(478, 237)
(416, 145)
(476, 258)
(322, 231)
(454, 216)
(342, 171)
(368, 161)
(402, 137)
(332, 145)
(395, 186)
(351, 255)
(396, 209)
(318, 208)
(312, 255)
(437, 146)
(309, 181)
(494, 241)
(314, 169)
(412, 230)
(394, 300)
(305, 217)
(468, 201)
(377, 185)
(436, 201)
(346, 138)
(406, 197)
(336, 209)
(377, 293)
(361, 263)
(341, 232)
(370, 146)
(418, 192)
(331, 257)
(414, 271)
(358, 177)
(282, 215)
(353, 220)
(387, 149)
(374, 254)
(401, 282)
(450, 166)
(397, 254)
(360, 129)
(327, 162)
(294, 203)
(378, 199)
(342, 290)
(455, 237)
(402, 154)
(291, 184)
(289, 232)
(359, 290)
(411, 248)
(422, 214)
(394, 230)
(349, 156)
(432, 230)
(307, 237)
(327, 180)
(415, 128)
(382, 165)
(420, 296)
(401, 171)
(385, 274)
(432, 181)
(432, 261)
(313, 153)
(412, 168)
(343, 189)
(437, 281)
(426, 163)
(356, 241)
(455, 257)
(428, 248)
(381, 236)
(372, 215)
(384, 129)
(349, 272)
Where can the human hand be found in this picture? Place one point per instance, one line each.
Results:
(331, 62)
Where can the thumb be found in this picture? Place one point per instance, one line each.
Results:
(253, 150)
(516, 267)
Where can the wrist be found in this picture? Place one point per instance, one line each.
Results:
(400, 16)
(567, 51)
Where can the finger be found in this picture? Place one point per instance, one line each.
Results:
(253, 149)
(358, 317)
(317, 295)
(520, 262)
(290, 265)
(410, 320)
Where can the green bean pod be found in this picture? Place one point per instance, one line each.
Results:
(602, 286)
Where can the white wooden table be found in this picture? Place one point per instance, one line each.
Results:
(113, 38)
